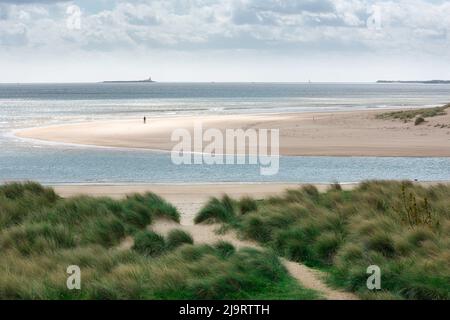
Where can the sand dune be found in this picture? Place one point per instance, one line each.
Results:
(307, 134)
(190, 198)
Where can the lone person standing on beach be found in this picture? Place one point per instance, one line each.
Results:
(145, 120)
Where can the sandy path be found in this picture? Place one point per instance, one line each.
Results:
(355, 133)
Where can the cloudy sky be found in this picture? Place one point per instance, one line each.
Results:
(224, 40)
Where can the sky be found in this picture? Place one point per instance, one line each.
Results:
(224, 40)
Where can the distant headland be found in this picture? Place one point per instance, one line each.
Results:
(417, 81)
(130, 81)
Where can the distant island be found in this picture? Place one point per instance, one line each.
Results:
(130, 81)
(417, 81)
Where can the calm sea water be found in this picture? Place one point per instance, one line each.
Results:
(28, 105)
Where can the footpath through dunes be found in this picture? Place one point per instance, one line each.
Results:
(189, 199)
(207, 234)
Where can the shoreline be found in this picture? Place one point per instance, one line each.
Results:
(189, 192)
(340, 134)
(194, 193)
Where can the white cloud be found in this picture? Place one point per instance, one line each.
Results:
(279, 28)
(162, 23)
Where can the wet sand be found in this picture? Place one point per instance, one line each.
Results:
(356, 133)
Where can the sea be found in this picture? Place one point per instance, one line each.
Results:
(30, 105)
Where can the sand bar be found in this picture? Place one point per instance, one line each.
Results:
(356, 133)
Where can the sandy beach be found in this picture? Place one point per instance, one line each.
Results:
(302, 134)
(179, 192)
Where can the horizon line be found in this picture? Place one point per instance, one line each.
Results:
(156, 81)
(381, 81)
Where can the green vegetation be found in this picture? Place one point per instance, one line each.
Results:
(247, 204)
(35, 219)
(401, 227)
(408, 115)
(220, 209)
(149, 243)
(42, 234)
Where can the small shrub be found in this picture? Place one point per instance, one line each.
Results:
(336, 186)
(221, 210)
(415, 214)
(247, 204)
(311, 191)
(255, 228)
(149, 243)
(137, 215)
(178, 237)
(225, 249)
(326, 246)
(294, 243)
(419, 235)
(155, 204)
(418, 121)
(194, 253)
(381, 243)
(349, 253)
(106, 231)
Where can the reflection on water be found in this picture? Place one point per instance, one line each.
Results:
(67, 164)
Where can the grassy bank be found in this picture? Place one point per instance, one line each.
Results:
(417, 114)
(400, 227)
(42, 234)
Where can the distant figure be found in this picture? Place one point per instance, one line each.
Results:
(145, 120)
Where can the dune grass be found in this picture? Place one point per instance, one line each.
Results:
(401, 227)
(408, 115)
(34, 218)
(219, 209)
(149, 243)
(190, 272)
(42, 234)
(177, 237)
